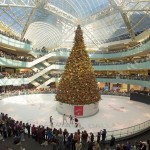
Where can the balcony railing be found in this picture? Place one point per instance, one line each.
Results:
(130, 131)
(14, 43)
(64, 52)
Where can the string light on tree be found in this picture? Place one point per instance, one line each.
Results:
(78, 84)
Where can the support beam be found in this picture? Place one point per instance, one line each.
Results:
(12, 5)
(61, 13)
(125, 19)
(13, 17)
(18, 3)
(28, 22)
(129, 27)
(93, 39)
(147, 10)
(99, 15)
(40, 4)
(8, 28)
(66, 35)
(136, 6)
(135, 1)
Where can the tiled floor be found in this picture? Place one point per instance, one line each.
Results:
(115, 112)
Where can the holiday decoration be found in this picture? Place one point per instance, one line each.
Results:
(78, 84)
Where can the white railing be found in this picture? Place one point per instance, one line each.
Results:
(130, 131)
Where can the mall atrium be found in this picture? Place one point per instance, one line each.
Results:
(114, 32)
(37, 36)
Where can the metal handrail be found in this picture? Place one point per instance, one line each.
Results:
(146, 125)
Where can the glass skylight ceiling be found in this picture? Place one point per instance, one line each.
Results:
(80, 8)
(102, 21)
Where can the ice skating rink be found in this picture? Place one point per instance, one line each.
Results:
(115, 112)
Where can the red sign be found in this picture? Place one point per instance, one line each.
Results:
(78, 110)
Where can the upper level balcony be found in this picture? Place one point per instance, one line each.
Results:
(142, 48)
(141, 64)
(23, 81)
(14, 44)
(133, 51)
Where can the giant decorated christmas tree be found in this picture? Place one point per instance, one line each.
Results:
(78, 84)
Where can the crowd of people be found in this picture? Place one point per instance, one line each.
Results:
(61, 139)
(58, 75)
(123, 50)
(42, 50)
(48, 135)
(117, 76)
(54, 75)
(29, 59)
(137, 145)
(130, 77)
(16, 75)
(109, 63)
(95, 63)
(140, 60)
(106, 52)
(114, 92)
(15, 37)
(15, 57)
(24, 90)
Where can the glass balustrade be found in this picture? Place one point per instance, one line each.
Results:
(19, 81)
(141, 64)
(65, 52)
(14, 43)
(122, 133)
(122, 53)
(117, 54)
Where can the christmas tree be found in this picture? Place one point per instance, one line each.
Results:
(78, 84)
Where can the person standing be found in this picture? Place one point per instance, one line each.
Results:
(76, 121)
(96, 146)
(71, 119)
(99, 137)
(92, 137)
(64, 119)
(112, 142)
(51, 121)
(28, 129)
(78, 145)
(84, 139)
(103, 136)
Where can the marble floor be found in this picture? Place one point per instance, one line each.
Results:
(115, 112)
